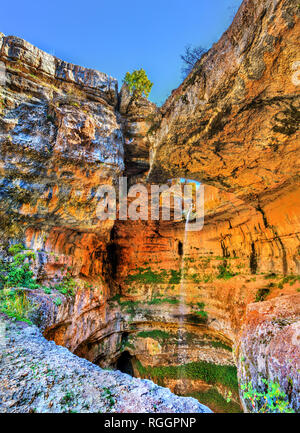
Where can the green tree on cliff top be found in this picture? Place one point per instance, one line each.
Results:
(138, 83)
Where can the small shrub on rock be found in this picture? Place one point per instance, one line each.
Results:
(138, 83)
(271, 400)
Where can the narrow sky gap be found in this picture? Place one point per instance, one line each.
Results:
(121, 36)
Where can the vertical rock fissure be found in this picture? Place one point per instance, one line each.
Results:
(253, 259)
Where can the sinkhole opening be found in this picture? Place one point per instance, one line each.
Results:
(180, 248)
(253, 259)
(112, 258)
(124, 363)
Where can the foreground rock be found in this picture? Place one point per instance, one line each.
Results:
(270, 346)
(38, 376)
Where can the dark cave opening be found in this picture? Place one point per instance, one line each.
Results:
(253, 259)
(124, 363)
(125, 336)
(180, 249)
(112, 258)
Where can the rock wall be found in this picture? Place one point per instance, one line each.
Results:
(234, 120)
(68, 384)
(60, 138)
(269, 346)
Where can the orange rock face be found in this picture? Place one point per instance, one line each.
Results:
(233, 123)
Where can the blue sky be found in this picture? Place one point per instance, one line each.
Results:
(119, 36)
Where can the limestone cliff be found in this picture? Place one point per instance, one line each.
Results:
(69, 384)
(233, 287)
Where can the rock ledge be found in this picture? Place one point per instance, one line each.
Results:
(39, 376)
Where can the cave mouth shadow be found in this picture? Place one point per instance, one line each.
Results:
(124, 363)
(180, 248)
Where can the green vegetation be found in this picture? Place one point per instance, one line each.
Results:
(270, 276)
(68, 399)
(156, 334)
(57, 301)
(47, 290)
(158, 300)
(206, 278)
(138, 83)
(225, 272)
(109, 396)
(220, 345)
(164, 337)
(172, 277)
(116, 298)
(16, 272)
(288, 279)
(211, 373)
(147, 276)
(16, 304)
(216, 402)
(175, 277)
(262, 294)
(201, 313)
(207, 340)
(67, 286)
(272, 400)
(291, 279)
(127, 344)
(129, 306)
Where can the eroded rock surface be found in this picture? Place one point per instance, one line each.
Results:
(270, 346)
(38, 376)
(149, 299)
(234, 122)
(60, 139)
